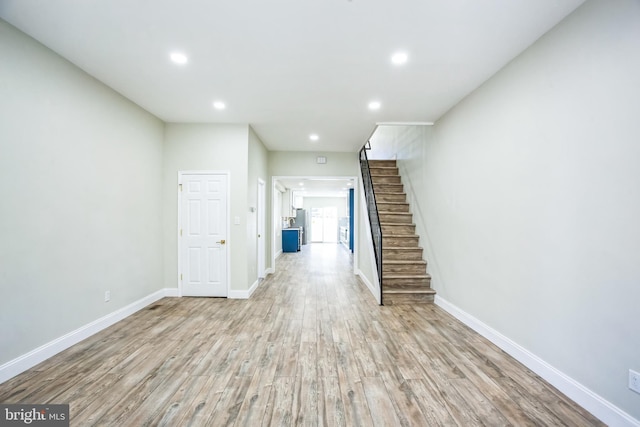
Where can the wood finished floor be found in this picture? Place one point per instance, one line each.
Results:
(311, 347)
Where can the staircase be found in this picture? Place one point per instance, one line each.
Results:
(404, 271)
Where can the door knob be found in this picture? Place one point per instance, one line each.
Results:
(222, 242)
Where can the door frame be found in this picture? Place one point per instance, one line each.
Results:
(276, 209)
(181, 174)
(261, 226)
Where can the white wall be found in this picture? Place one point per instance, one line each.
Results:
(303, 163)
(207, 147)
(80, 209)
(529, 194)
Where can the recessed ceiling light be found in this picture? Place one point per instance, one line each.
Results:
(374, 105)
(314, 137)
(349, 184)
(219, 105)
(301, 183)
(399, 58)
(179, 58)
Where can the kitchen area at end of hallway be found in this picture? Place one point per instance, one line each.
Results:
(313, 210)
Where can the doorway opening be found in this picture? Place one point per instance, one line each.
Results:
(323, 208)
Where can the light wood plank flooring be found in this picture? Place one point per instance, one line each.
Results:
(311, 347)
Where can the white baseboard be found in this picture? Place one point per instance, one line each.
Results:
(269, 271)
(253, 287)
(375, 292)
(237, 294)
(592, 402)
(234, 294)
(42, 353)
(278, 253)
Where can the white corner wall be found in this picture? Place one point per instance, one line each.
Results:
(529, 194)
(80, 208)
(257, 169)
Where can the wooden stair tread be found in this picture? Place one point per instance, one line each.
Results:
(409, 291)
(397, 218)
(407, 286)
(404, 248)
(399, 261)
(386, 208)
(405, 276)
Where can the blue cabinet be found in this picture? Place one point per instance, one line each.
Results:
(290, 240)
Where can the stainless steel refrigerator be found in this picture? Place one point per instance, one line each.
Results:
(301, 221)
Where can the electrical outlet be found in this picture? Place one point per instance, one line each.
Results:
(107, 296)
(634, 380)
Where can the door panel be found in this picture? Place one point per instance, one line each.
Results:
(214, 267)
(203, 242)
(213, 216)
(193, 227)
(194, 265)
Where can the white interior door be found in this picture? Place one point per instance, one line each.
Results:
(262, 195)
(203, 235)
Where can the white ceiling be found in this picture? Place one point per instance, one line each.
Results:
(290, 68)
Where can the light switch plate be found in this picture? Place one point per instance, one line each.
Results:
(236, 220)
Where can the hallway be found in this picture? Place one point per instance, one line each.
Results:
(311, 347)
